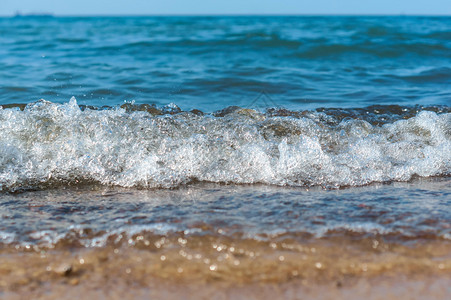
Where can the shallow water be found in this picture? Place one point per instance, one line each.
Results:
(227, 233)
(228, 241)
(99, 216)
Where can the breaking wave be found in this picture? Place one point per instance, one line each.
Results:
(46, 144)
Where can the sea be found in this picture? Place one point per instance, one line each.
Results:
(149, 153)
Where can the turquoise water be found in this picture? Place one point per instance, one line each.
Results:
(209, 63)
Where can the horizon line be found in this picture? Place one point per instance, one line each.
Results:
(50, 14)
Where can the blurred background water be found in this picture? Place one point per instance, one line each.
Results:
(208, 63)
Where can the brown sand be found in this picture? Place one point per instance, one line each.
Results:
(211, 268)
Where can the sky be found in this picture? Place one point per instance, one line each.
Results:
(207, 7)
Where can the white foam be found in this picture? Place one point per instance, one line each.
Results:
(49, 143)
(7, 237)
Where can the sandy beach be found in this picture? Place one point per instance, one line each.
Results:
(212, 267)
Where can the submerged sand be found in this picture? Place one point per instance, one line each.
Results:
(209, 268)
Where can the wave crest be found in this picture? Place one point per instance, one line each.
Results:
(50, 144)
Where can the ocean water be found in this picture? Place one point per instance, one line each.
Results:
(238, 149)
(208, 63)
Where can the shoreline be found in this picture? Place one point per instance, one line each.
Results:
(214, 241)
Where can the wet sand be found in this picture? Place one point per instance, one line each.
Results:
(380, 288)
(207, 268)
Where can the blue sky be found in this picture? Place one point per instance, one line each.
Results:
(152, 7)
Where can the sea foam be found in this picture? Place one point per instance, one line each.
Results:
(52, 144)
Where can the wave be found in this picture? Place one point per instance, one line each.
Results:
(48, 144)
(434, 75)
(421, 49)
